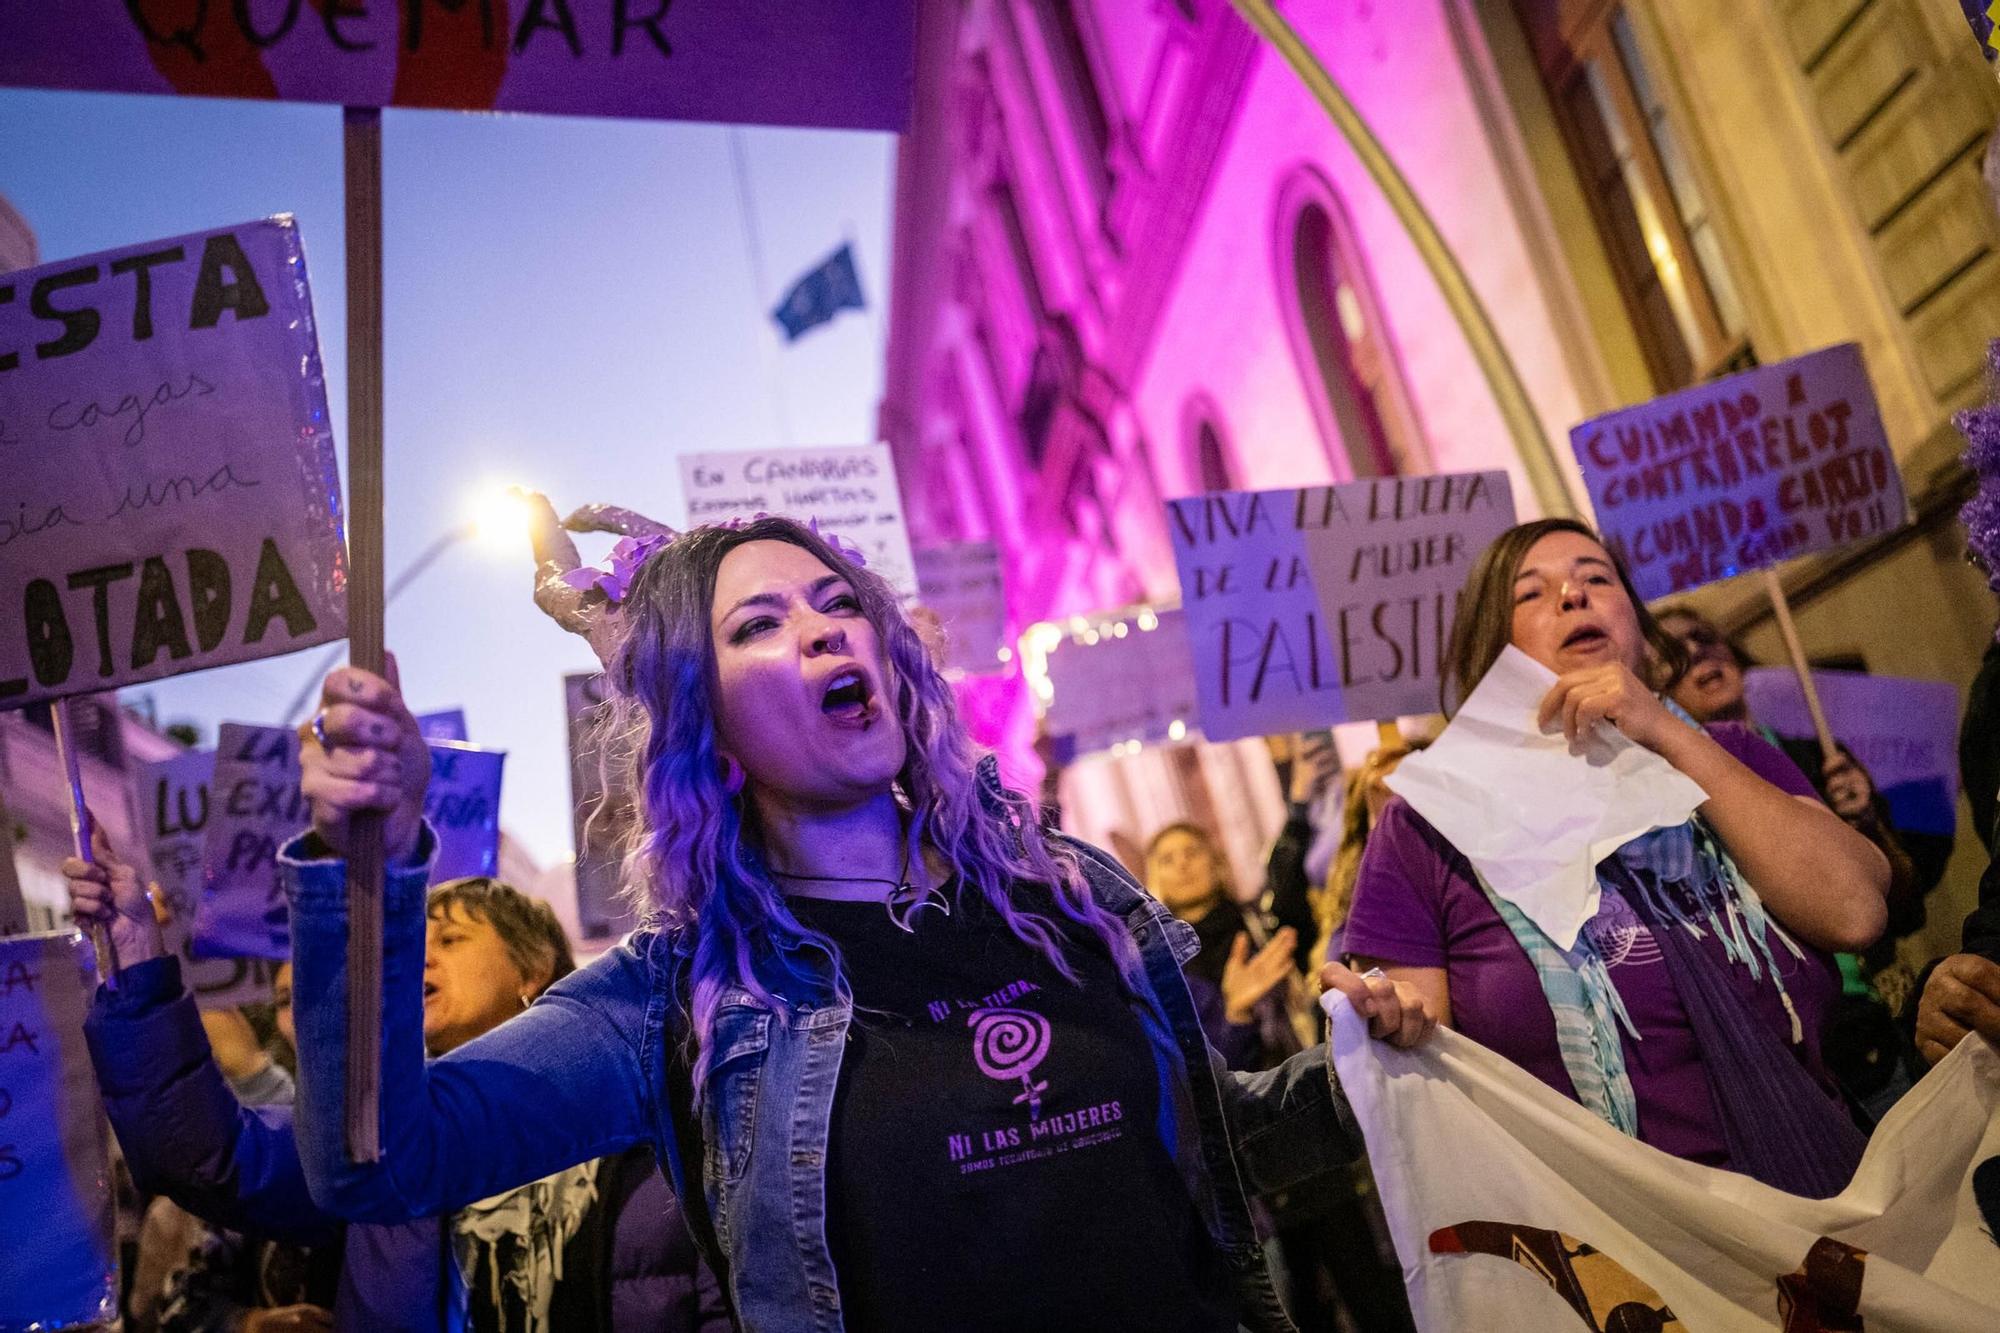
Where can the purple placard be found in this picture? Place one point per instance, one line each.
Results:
(599, 815)
(1128, 680)
(172, 800)
(1327, 603)
(1743, 472)
(849, 65)
(445, 725)
(960, 584)
(463, 806)
(172, 501)
(59, 1262)
(255, 807)
(1904, 732)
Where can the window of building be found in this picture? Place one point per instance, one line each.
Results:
(1340, 338)
(1213, 469)
(1650, 210)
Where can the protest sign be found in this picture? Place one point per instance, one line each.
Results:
(58, 1259)
(13, 907)
(779, 62)
(445, 725)
(600, 816)
(849, 490)
(1121, 681)
(960, 584)
(172, 797)
(256, 808)
(463, 806)
(1743, 472)
(1539, 1215)
(1327, 603)
(1904, 732)
(173, 501)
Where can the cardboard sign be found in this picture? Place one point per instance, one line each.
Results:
(961, 585)
(172, 801)
(463, 806)
(599, 817)
(1744, 472)
(58, 1264)
(1125, 687)
(1328, 603)
(255, 807)
(1904, 732)
(850, 490)
(446, 725)
(777, 62)
(172, 502)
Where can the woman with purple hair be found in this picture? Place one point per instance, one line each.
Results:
(910, 1061)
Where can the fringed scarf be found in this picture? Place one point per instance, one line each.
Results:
(517, 1240)
(1779, 1124)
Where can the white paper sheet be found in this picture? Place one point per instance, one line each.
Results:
(1532, 817)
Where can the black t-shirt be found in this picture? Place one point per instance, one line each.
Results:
(996, 1159)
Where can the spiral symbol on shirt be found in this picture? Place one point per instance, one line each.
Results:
(1008, 1043)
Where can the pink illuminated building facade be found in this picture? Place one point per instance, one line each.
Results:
(1134, 260)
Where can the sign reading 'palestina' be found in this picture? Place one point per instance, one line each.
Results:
(172, 500)
(1327, 603)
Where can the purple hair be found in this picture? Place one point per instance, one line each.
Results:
(694, 862)
(1981, 514)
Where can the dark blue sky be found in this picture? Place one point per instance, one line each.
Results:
(569, 305)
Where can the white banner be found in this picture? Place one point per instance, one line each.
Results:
(1512, 1207)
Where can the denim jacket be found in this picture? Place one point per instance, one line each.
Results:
(595, 1066)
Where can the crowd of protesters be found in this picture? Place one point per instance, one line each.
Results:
(712, 1125)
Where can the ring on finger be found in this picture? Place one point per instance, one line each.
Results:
(319, 729)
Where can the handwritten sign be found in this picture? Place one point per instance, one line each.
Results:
(58, 1263)
(1744, 472)
(463, 806)
(1111, 688)
(1328, 603)
(960, 583)
(779, 62)
(172, 501)
(600, 816)
(1904, 732)
(255, 808)
(850, 490)
(172, 800)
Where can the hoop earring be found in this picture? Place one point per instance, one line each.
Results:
(732, 775)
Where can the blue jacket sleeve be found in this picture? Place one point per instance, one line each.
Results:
(183, 1131)
(561, 1083)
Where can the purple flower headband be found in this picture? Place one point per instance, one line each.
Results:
(630, 553)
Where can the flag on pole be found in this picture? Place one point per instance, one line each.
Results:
(821, 294)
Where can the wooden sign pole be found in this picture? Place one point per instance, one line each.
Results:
(362, 155)
(81, 830)
(1389, 733)
(1782, 609)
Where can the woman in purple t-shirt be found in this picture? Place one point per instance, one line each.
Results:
(1688, 1013)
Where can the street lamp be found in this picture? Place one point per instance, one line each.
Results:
(497, 515)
